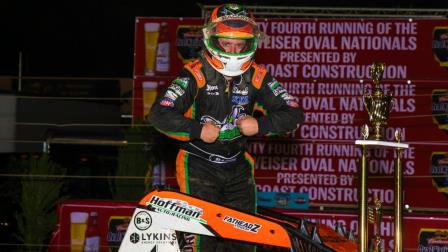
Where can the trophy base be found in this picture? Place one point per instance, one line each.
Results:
(382, 143)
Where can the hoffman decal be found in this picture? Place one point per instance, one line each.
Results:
(243, 225)
(177, 208)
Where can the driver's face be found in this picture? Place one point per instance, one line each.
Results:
(232, 45)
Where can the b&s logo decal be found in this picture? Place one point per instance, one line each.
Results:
(142, 220)
(242, 225)
(176, 208)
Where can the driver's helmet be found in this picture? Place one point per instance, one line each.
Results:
(230, 21)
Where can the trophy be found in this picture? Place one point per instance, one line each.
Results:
(377, 103)
(375, 215)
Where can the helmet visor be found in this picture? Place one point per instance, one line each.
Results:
(232, 47)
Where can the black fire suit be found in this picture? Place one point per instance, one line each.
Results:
(222, 171)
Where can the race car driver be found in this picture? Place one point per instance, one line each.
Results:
(210, 107)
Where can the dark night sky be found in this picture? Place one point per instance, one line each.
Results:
(94, 38)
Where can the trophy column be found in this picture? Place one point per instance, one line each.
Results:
(398, 206)
(378, 105)
(398, 192)
(362, 202)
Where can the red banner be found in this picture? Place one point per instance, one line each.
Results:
(325, 64)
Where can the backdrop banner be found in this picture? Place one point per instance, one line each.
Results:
(325, 64)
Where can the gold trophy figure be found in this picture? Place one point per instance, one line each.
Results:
(375, 215)
(377, 103)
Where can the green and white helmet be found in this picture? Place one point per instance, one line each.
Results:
(230, 21)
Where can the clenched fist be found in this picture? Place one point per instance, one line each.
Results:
(209, 132)
(248, 125)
